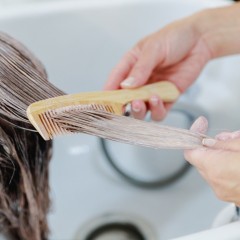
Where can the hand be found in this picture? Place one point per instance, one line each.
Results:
(176, 53)
(218, 162)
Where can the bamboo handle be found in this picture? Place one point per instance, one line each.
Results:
(167, 91)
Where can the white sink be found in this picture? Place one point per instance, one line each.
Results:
(79, 42)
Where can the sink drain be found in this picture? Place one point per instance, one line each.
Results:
(117, 227)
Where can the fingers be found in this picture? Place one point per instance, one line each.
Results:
(135, 67)
(220, 168)
(230, 142)
(230, 145)
(208, 159)
(121, 71)
(200, 125)
(218, 162)
(223, 136)
(143, 68)
(156, 106)
(228, 135)
(139, 109)
(215, 149)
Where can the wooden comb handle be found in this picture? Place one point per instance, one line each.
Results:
(166, 90)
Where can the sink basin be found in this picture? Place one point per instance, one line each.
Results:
(79, 42)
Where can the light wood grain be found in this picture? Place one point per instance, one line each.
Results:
(115, 100)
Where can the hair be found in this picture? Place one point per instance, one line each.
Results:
(24, 155)
(24, 187)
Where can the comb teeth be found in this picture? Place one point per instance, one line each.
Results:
(53, 128)
(91, 106)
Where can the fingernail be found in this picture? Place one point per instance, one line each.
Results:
(128, 82)
(154, 100)
(136, 108)
(208, 142)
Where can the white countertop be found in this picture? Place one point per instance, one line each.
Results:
(228, 232)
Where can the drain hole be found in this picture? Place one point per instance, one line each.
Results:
(116, 226)
(123, 231)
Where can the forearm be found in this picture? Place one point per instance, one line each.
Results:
(220, 30)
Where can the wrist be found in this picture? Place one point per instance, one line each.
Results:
(219, 28)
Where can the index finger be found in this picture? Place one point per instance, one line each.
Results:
(121, 70)
(228, 145)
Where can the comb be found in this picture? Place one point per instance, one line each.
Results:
(43, 114)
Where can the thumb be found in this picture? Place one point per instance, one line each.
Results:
(229, 145)
(200, 125)
(143, 68)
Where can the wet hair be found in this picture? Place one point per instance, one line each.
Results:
(24, 155)
(24, 187)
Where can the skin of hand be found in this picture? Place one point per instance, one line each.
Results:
(218, 162)
(177, 53)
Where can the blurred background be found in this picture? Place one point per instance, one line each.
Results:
(10, 2)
